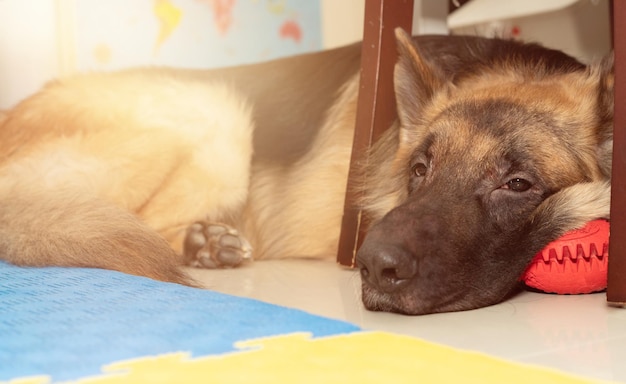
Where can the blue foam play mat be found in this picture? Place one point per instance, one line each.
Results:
(67, 323)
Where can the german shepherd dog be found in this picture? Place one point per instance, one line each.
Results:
(499, 148)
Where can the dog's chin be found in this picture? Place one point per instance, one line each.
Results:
(375, 300)
(410, 304)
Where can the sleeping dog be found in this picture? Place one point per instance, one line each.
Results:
(499, 148)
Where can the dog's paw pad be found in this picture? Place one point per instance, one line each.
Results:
(215, 245)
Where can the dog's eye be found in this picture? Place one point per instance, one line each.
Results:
(419, 169)
(518, 185)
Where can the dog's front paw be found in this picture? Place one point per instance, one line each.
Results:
(215, 245)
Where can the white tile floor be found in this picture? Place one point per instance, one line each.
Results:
(575, 334)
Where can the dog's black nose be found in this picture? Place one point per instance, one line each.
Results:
(385, 267)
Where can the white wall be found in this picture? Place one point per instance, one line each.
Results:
(28, 47)
(342, 22)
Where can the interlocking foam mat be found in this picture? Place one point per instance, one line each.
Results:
(96, 326)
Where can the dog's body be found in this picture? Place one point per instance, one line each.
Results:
(113, 170)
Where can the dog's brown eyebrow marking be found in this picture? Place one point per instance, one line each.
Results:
(500, 119)
(423, 147)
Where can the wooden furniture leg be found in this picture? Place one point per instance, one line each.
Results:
(616, 290)
(376, 109)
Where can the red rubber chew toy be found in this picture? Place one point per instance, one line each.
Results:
(576, 263)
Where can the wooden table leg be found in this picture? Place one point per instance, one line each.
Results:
(616, 290)
(376, 108)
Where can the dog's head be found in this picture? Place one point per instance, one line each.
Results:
(487, 165)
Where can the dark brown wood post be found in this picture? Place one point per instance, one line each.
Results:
(376, 108)
(616, 291)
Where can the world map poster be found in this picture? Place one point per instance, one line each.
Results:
(116, 34)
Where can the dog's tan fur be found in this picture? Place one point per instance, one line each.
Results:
(102, 143)
(281, 228)
(109, 170)
(172, 151)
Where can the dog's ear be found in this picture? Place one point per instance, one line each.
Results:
(415, 79)
(603, 73)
